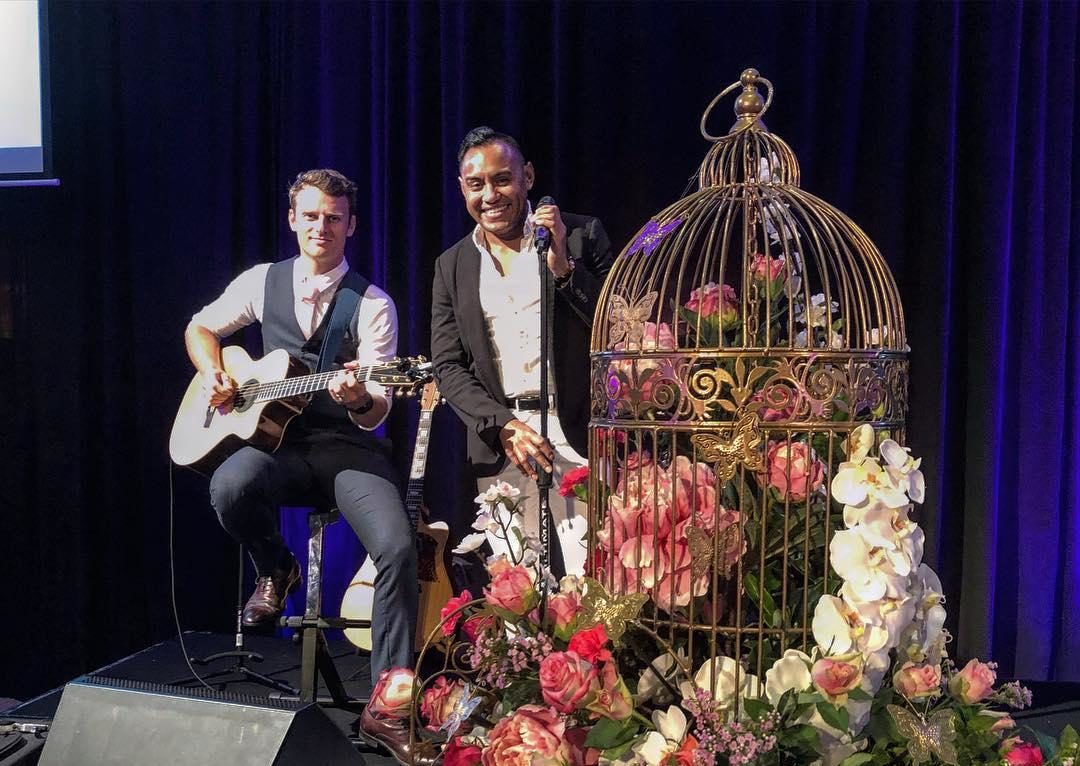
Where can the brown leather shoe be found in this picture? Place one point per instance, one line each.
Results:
(393, 735)
(268, 600)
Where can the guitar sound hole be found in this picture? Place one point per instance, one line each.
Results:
(241, 403)
(425, 562)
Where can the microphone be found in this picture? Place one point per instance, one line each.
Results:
(543, 236)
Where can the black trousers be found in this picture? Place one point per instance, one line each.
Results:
(248, 489)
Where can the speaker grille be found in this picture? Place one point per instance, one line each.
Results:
(198, 692)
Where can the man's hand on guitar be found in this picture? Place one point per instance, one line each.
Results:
(522, 445)
(219, 388)
(346, 390)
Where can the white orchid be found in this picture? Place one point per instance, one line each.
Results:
(837, 626)
(792, 671)
(471, 542)
(904, 469)
(883, 621)
(651, 686)
(859, 442)
(869, 564)
(727, 680)
(660, 745)
(859, 482)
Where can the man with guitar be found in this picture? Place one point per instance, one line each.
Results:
(485, 331)
(328, 454)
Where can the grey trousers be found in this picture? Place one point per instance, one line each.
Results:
(248, 489)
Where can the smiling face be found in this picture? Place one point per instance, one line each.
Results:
(322, 224)
(495, 182)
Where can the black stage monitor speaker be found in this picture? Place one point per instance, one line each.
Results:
(112, 721)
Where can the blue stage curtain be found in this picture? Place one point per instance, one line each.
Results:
(946, 130)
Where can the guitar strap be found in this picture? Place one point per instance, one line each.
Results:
(344, 307)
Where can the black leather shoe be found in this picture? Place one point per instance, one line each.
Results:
(268, 600)
(393, 735)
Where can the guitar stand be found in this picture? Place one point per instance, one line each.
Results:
(315, 659)
(241, 655)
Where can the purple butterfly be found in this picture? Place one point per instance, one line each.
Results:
(651, 236)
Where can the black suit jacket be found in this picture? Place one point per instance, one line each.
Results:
(464, 360)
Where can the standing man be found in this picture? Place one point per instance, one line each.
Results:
(329, 455)
(485, 332)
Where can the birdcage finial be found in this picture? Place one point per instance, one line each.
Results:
(749, 106)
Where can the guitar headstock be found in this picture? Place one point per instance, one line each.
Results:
(429, 397)
(404, 374)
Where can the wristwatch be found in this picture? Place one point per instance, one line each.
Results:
(564, 280)
(363, 408)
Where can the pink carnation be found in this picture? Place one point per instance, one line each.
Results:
(455, 603)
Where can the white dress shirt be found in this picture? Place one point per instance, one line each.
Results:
(376, 323)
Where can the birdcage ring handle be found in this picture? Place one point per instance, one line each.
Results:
(749, 111)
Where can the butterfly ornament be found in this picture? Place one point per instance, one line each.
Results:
(936, 735)
(613, 612)
(740, 447)
(628, 319)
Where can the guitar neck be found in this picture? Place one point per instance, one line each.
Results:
(414, 494)
(302, 384)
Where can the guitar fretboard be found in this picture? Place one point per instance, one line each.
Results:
(304, 384)
(414, 494)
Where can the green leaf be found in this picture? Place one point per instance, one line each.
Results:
(756, 708)
(617, 752)
(859, 694)
(837, 717)
(1069, 737)
(801, 734)
(857, 760)
(608, 733)
(811, 698)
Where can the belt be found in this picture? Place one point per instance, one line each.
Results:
(530, 403)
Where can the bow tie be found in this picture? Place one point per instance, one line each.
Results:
(313, 298)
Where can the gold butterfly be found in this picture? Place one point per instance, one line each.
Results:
(703, 554)
(937, 736)
(613, 612)
(740, 447)
(628, 321)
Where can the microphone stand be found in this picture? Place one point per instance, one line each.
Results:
(544, 478)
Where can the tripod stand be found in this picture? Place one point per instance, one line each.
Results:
(240, 656)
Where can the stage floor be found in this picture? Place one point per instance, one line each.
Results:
(164, 664)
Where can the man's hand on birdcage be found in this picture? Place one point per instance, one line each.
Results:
(525, 448)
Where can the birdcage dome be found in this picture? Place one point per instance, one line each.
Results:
(741, 337)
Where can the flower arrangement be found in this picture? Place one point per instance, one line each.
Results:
(566, 673)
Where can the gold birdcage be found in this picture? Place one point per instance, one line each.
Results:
(740, 337)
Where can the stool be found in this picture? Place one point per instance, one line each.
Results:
(315, 659)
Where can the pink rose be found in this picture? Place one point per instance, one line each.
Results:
(793, 469)
(458, 754)
(531, 736)
(974, 683)
(512, 591)
(715, 300)
(918, 681)
(770, 273)
(393, 693)
(455, 603)
(1017, 753)
(612, 699)
(439, 701)
(590, 644)
(835, 677)
(575, 483)
(565, 680)
(564, 609)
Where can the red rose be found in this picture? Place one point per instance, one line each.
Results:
(452, 606)
(571, 480)
(589, 644)
(458, 754)
(1022, 753)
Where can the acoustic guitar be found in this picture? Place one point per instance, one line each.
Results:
(435, 587)
(270, 393)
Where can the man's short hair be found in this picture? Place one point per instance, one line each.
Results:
(329, 182)
(482, 136)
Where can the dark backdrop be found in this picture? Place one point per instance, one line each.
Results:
(947, 131)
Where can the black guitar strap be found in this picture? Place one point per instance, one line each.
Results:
(344, 307)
